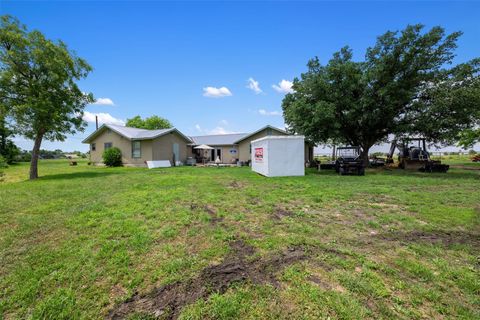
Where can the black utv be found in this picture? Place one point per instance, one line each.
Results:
(349, 161)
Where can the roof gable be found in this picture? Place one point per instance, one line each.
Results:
(260, 130)
(134, 133)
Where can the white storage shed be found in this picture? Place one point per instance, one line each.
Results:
(279, 156)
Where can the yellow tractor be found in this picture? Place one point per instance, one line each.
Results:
(413, 155)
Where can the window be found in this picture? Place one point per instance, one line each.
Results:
(136, 149)
(93, 147)
(107, 145)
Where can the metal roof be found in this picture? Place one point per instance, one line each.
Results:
(134, 133)
(218, 139)
(260, 130)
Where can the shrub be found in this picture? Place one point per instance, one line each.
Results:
(3, 162)
(112, 157)
(472, 152)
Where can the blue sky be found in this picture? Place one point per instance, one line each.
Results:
(160, 57)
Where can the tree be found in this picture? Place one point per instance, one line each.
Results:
(38, 86)
(150, 123)
(402, 87)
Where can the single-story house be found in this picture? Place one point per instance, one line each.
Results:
(236, 147)
(140, 145)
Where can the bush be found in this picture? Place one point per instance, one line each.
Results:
(472, 152)
(3, 162)
(112, 157)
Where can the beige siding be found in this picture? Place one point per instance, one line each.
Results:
(124, 144)
(228, 157)
(244, 146)
(162, 147)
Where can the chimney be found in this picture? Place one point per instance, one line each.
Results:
(96, 122)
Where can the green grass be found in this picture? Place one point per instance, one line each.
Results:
(391, 244)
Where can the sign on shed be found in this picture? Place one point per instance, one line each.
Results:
(276, 156)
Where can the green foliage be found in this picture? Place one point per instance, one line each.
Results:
(112, 157)
(3, 164)
(24, 156)
(150, 123)
(469, 137)
(379, 154)
(38, 85)
(402, 87)
(8, 149)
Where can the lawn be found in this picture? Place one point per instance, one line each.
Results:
(224, 243)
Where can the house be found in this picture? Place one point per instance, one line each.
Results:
(138, 145)
(236, 147)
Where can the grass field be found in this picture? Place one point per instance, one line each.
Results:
(224, 243)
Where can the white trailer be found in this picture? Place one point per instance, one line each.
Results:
(279, 156)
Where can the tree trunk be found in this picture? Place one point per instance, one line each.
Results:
(35, 154)
(364, 155)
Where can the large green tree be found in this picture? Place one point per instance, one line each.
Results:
(38, 85)
(150, 123)
(404, 86)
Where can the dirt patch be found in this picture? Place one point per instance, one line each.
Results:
(236, 185)
(239, 266)
(435, 237)
(117, 291)
(254, 201)
(212, 212)
(279, 213)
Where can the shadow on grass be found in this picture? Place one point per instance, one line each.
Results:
(80, 175)
(450, 175)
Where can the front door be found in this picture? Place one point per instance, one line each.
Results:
(176, 153)
(214, 153)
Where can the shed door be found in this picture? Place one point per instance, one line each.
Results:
(176, 153)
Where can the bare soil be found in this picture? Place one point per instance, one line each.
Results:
(167, 301)
(281, 213)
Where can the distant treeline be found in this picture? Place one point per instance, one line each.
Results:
(26, 156)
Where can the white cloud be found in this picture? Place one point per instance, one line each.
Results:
(104, 102)
(223, 122)
(264, 112)
(216, 130)
(254, 86)
(213, 92)
(283, 86)
(219, 130)
(102, 118)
